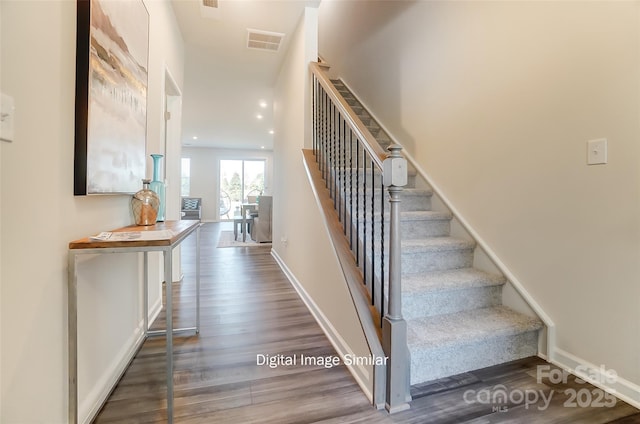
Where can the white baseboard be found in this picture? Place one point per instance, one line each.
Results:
(623, 389)
(94, 400)
(99, 394)
(359, 372)
(154, 310)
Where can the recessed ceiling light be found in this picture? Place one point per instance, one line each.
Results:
(263, 104)
(195, 137)
(259, 116)
(262, 147)
(271, 131)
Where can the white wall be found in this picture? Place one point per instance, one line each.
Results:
(1, 285)
(496, 101)
(205, 173)
(40, 216)
(173, 152)
(300, 238)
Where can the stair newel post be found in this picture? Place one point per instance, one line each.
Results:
(394, 328)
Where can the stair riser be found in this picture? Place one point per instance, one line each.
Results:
(419, 262)
(359, 110)
(424, 262)
(381, 136)
(409, 230)
(408, 202)
(431, 364)
(413, 230)
(354, 178)
(415, 305)
(344, 162)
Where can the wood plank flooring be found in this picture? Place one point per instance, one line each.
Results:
(248, 309)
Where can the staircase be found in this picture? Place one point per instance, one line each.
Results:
(455, 318)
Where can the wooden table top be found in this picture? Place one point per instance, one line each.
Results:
(179, 229)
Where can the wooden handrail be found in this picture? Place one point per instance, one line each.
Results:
(369, 142)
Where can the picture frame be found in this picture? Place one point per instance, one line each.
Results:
(112, 56)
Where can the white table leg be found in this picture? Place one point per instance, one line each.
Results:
(145, 302)
(198, 280)
(169, 310)
(72, 326)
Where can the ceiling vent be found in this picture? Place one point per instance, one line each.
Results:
(209, 9)
(210, 3)
(264, 40)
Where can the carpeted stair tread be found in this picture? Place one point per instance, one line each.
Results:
(454, 313)
(467, 326)
(436, 244)
(342, 170)
(424, 216)
(407, 216)
(418, 192)
(446, 280)
(351, 101)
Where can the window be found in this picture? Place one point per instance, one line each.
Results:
(238, 180)
(185, 182)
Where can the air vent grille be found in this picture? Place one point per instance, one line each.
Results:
(210, 3)
(264, 40)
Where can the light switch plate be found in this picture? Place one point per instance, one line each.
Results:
(7, 114)
(597, 151)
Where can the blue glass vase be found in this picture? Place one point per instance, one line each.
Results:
(157, 185)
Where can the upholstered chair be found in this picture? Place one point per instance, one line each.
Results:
(261, 228)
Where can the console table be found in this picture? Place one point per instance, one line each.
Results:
(179, 231)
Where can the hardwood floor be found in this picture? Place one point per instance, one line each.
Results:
(249, 308)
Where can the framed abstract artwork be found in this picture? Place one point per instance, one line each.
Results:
(111, 96)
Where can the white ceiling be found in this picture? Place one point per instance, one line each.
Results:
(224, 80)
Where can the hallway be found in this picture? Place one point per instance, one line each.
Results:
(250, 309)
